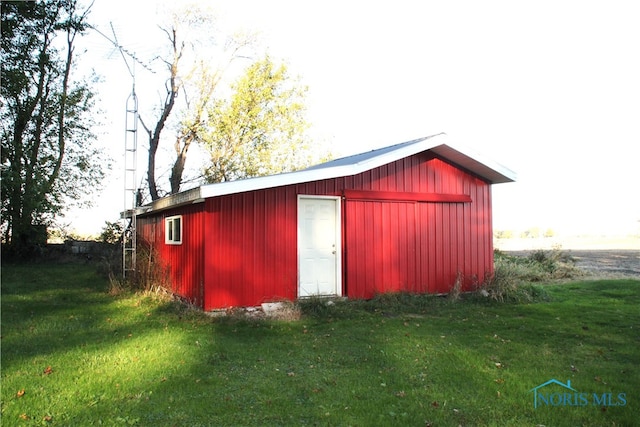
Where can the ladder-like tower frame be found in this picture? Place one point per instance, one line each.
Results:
(129, 236)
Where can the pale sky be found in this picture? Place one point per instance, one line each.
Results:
(549, 89)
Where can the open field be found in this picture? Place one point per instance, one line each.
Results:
(74, 355)
(603, 263)
(572, 243)
(609, 262)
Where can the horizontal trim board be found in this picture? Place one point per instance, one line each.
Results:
(396, 196)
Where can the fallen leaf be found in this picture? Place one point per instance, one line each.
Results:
(48, 418)
(24, 416)
(20, 393)
(498, 365)
(291, 374)
(48, 371)
(435, 404)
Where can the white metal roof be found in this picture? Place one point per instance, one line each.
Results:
(438, 144)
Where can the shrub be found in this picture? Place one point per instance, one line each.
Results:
(514, 276)
(556, 263)
(150, 274)
(506, 285)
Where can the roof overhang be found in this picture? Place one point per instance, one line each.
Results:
(483, 167)
(347, 166)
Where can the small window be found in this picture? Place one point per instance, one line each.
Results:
(173, 230)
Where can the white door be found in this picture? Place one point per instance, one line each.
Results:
(319, 246)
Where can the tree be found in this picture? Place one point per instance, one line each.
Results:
(261, 129)
(111, 232)
(190, 27)
(48, 157)
(172, 87)
(192, 121)
(191, 106)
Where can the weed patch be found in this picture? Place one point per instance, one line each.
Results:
(516, 279)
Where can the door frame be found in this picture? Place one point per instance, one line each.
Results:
(338, 238)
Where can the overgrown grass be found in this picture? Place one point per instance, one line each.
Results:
(74, 355)
(516, 278)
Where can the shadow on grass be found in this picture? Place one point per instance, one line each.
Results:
(49, 309)
(131, 360)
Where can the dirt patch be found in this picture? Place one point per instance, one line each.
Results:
(608, 263)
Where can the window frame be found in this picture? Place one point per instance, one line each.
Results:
(170, 229)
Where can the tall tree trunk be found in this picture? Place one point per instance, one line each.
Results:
(178, 166)
(172, 94)
(151, 167)
(71, 34)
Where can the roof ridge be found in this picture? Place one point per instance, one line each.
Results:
(345, 166)
(371, 153)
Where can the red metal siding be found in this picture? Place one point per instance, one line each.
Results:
(244, 246)
(182, 263)
(418, 246)
(251, 253)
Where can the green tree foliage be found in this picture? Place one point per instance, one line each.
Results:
(48, 160)
(260, 129)
(111, 232)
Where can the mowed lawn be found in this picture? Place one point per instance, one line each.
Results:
(74, 355)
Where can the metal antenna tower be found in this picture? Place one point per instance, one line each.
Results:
(129, 237)
(131, 190)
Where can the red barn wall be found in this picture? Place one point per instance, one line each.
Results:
(251, 248)
(246, 252)
(182, 264)
(418, 246)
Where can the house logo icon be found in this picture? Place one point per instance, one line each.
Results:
(562, 394)
(545, 397)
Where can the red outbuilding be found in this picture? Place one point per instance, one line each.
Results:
(411, 217)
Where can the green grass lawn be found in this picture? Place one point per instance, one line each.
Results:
(74, 355)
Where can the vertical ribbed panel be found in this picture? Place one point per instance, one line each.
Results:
(252, 257)
(414, 246)
(182, 264)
